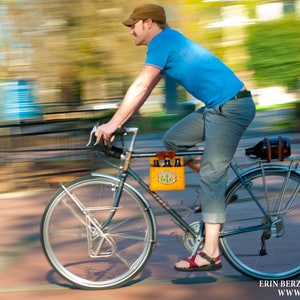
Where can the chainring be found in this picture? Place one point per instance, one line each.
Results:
(189, 241)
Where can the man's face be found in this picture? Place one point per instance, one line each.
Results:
(140, 32)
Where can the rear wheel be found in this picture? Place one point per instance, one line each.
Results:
(270, 250)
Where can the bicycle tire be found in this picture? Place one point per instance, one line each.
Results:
(280, 256)
(108, 254)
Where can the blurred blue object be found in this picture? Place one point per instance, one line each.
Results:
(18, 101)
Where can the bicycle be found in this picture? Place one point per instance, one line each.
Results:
(99, 231)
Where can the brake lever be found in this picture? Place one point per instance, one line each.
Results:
(92, 139)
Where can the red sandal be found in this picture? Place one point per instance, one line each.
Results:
(214, 263)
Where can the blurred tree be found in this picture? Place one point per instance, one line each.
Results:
(274, 48)
(79, 50)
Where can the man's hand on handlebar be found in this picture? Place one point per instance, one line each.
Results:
(105, 135)
(106, 131)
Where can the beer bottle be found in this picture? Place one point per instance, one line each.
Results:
(167, 162)
(156, 163)
(273, 148)
(177, 162)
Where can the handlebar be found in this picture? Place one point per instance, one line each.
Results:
(106, 145)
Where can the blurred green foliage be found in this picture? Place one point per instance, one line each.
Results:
(274, 48)
(79, 50)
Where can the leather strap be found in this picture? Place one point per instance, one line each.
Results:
(280, 149)
(210, 259)
(268, 149)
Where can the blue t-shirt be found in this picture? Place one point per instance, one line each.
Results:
(201, 73)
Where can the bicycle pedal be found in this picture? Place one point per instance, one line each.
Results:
(198, 209)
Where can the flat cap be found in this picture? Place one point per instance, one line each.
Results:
(146, 11)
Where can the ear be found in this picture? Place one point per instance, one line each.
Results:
(149, 23)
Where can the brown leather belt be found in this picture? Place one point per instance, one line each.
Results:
(242, 94)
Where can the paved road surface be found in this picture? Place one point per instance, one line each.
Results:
(25, 274)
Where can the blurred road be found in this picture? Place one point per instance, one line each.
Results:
(271, 122)
(25, 274)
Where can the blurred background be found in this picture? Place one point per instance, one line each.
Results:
(65, 65)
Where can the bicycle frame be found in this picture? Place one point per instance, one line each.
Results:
(125, 170)
(99, 230)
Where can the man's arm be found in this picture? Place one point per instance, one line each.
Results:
(135, 97)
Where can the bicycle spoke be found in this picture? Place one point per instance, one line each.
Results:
(91, 242)
(259, 253)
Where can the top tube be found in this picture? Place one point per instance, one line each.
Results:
(144, 154)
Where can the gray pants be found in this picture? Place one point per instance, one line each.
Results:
(221, 129)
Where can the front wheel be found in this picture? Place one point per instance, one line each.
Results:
(264, 246)
(92, 240)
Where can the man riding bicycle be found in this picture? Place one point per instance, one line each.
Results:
(228, 110)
